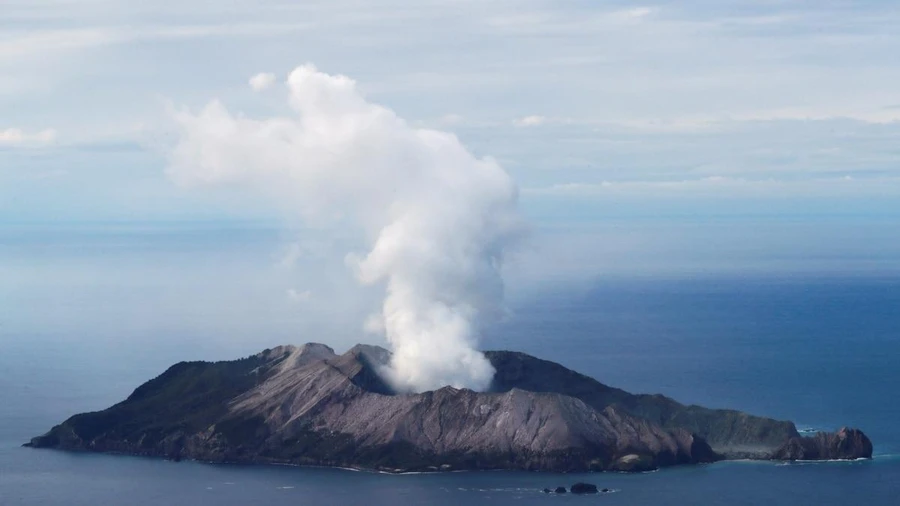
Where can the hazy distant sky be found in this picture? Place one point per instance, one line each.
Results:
(695, 134)
(692, 137)
(594, 107)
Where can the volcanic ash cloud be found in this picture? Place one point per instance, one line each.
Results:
(436, 218)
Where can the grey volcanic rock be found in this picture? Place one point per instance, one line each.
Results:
(307, 405)
(583, 488)
(730, 433)
(845, 444)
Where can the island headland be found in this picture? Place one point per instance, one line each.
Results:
(308, 405)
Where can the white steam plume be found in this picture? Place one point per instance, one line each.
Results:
(437, 218)
(262, 81)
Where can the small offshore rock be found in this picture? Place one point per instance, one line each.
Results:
(560, 490)
(546, 491)
(584, 488)
(606, 490)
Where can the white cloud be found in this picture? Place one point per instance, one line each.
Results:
(640, 91)
(19, 137)
(858, 112)
(539, 20)
(450, 119)
(374, 324)
(291, 255)
(721, 187)
(638, 12)
(530, 121)
(298, 296)
(262, 81)
(51, 42)
(29, 44)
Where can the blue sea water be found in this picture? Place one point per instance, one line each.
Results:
(822, 351)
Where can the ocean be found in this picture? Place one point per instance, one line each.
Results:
(87, 316)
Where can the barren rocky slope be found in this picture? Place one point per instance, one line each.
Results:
(308, 405)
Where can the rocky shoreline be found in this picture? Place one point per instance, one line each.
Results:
(310, 406)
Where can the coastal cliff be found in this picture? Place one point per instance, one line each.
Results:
(308, 405)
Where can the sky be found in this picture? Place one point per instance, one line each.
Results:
(776, 120)
(653, 140)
